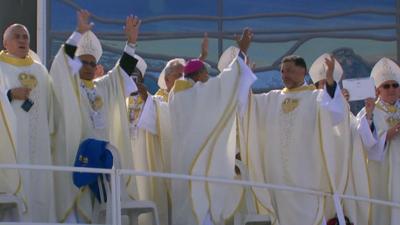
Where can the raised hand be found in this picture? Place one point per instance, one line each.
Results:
(330, 63)
(99, 71)
(83, 25)
(244, 41)
(204, 48)
(346, 94)
(131, 29)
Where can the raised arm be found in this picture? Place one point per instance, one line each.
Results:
(131, 29)
(248, 77)
(330, 82)
(204, 48)
(332, 99)
(83, 25)
(244, 40)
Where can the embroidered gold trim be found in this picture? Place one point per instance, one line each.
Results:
(181, 85)
(5, 57)
(299, 89)
(88, 83)
(163, 94)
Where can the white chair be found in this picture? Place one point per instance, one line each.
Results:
(248, 213)
(130, 208)
(14, 203)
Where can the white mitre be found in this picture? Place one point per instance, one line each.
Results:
(384, 70)
(318, 69)
(161, 79)
(89, 44)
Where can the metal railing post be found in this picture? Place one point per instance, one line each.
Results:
(118, 195)
(114, 197)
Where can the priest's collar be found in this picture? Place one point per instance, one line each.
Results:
(10, 59)
(190, 80)
(304, 87)
(386, 107)
(163, 93)
(88, 83)
(181, 85)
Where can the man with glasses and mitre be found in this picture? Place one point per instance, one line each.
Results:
(382, 140)
(90, 108)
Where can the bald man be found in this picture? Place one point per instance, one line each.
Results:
(27, 85)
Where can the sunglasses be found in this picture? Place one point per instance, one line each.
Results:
(87, 63)
(387, 86)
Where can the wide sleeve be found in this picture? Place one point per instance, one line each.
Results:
(67, 97)
(336, 143)
(69, 49)
(10, 179)
(206, 145)
(368, 137)
(128, 64)
(374, 141)
(119, 77)
(334, 105)
(245, 82)
(148, 117)
(254, 129)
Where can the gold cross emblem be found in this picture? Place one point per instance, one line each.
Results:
(289, 104)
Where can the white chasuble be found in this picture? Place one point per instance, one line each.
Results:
(11, 179)
(203, 134)
(33, 129)
(291, 140)
(383, 163)
(151, 150)
(358, 180)
(106, 118)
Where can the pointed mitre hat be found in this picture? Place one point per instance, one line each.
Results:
(384, 70)
(89, 44)
(318, 69)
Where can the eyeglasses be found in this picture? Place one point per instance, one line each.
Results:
(87, 63)
(387, 86)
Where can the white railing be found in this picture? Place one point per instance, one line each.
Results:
(116, 175)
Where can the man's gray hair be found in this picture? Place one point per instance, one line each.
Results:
(172, 65)
(7, 33)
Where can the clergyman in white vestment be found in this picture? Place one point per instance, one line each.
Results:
(380, 125)
(291, 140)
(28, 88)
(90, 108)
